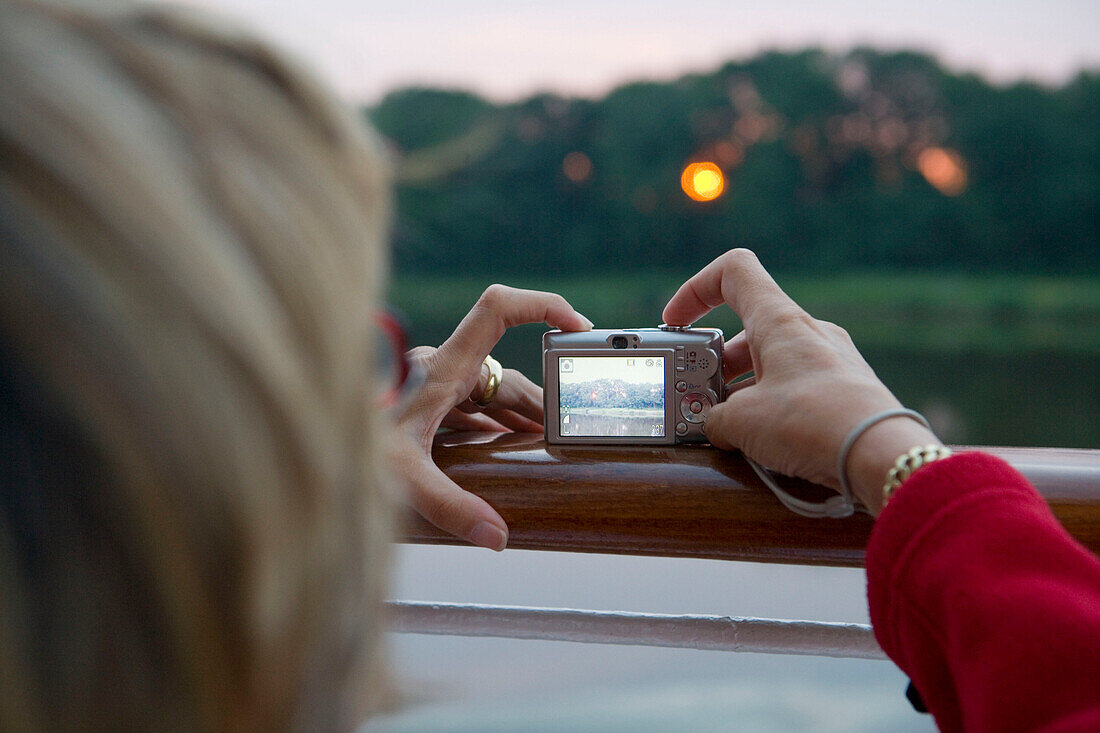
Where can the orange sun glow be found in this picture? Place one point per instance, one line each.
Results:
(945, 169)
(703, 181)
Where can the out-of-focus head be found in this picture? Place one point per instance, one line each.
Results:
(193, 521)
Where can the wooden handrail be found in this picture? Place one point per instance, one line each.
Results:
(694, 501)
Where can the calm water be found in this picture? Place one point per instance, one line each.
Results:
(488, 685)
(588, 422)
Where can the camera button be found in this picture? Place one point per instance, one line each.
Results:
(681, 428)
(694, 407)
(681, 386)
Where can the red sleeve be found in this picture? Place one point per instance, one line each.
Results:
(982, 598)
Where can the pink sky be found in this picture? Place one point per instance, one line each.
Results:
(506, 50)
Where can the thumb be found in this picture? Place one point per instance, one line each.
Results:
(730, 424)
(447, 505)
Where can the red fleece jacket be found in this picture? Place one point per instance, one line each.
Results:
(982, 598)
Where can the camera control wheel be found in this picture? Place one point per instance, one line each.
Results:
(694, 407)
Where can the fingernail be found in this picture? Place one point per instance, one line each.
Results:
(489, 535)
(590, 324)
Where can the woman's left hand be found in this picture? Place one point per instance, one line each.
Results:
(455, 377)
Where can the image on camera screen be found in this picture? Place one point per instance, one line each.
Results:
(612, 396)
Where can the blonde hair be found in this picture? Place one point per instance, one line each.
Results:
(193, 521)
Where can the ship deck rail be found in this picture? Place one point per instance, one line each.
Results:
(680, 501)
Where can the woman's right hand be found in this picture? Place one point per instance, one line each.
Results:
(810, 385)
(454, 378)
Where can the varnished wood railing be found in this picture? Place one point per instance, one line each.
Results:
(695, 501)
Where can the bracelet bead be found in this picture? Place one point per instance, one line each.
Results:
(909, 462)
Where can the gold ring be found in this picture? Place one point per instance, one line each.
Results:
(496, 376)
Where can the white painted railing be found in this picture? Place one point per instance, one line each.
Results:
(720, 633)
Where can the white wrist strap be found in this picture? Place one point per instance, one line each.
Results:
(853, 436)
(836, 507)
(841, 506)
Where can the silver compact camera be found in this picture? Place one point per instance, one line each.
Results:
(630, 385)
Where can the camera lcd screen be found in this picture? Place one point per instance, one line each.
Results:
(611, 396)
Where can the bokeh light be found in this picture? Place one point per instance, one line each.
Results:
(945, 169)
(577, 166)
(728, 154)
(702, 181)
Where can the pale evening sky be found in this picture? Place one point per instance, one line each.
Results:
(509, 49)
(587, 368)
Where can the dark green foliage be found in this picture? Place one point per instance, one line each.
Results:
(820, 154)
(416, 117)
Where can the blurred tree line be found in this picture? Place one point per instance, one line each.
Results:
(866, 160)
(612, 393)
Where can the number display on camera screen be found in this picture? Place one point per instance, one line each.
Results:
(611, 396)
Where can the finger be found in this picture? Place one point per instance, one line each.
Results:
(736, 357)
(737, 279)
(456, 420)
(726, 421)
(514, 422)
(446, 505)
(715, 427)
(498, 309)
(520, 395)
(469, 405)
(516, 393)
